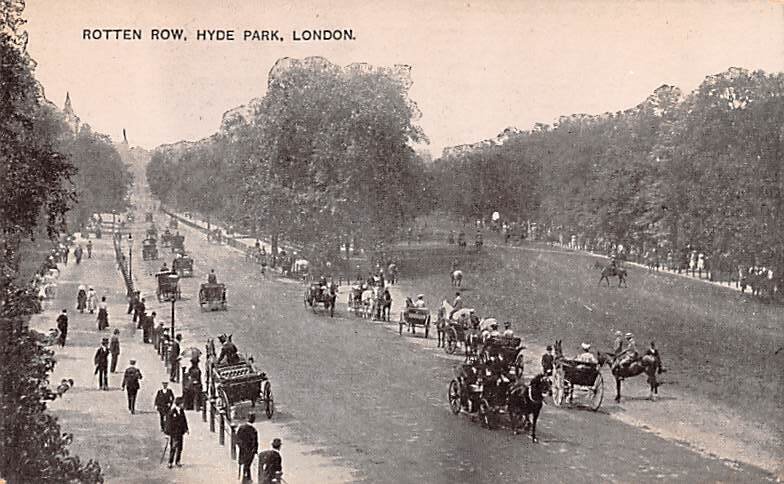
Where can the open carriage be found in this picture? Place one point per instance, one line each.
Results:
(570, 376)
(149, 249)
(238, 383)
(316, 294)
(168, 286)
(506, 350)
(459, 330)
(413, 317)
(212, 297)
(183, 266)
(178, 244)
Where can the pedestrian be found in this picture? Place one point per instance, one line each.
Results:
(147, 327)
(177, 426)
(103, 314)
(164, 399)
(81, 298)
(130, 384)
(92, 300)
(191, 391)
(62, 327)
(174, 359)
(133, 299)
(139, 313)
(114, 349)
(271, 464)
(78, 253)
(64, 253)
(101, 361)
(547, 361)
(248, 444)
(89, 249)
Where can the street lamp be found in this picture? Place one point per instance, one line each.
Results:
(130, 257)
(172, 299)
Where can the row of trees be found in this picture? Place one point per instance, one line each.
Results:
(46, 169)
(703, 169)
(322, 159)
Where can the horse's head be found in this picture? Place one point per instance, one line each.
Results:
(558, 349)
(540, 386)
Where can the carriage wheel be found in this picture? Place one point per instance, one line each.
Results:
(597, 392)
(485, 413)
(451, 341)
(558, 387)
(519, 364)
(223, 403)
(269, 407)
(454, 396)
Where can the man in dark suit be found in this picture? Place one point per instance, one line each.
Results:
(101, 361)
(138, 313)
(248, 443)
(163, 402)
(271, 464)
(177, 426)
(174, 359)
(130, 383)
(62, 327)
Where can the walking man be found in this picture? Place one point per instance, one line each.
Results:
(177, 427)
(132, 301)
(114, 349)
(271, 464)
(62, 327)
(101, 361)
(131, 385)
(163, 402)
(174, 359)
(248, 443)
(148, 323)
(89, 249)
(138, 314)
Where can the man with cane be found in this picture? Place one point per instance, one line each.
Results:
(248, 443)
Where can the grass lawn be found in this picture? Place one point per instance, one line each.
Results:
(716, 343)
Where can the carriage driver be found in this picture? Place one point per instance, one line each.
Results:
(420, 302)
(211, 277)
(457, 304)
(228, 351)
(586, 356)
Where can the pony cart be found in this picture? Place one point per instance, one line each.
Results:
(168, 286)
(316, 294)
(412, 317)
(233, 384)
(212, 296)
(457, 330)
(183, 266)
(487, 391)
(573, 375)
(149, 250)
(178, 244)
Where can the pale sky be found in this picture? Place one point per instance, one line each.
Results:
(477, 67)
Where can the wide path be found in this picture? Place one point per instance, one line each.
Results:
(377, 402)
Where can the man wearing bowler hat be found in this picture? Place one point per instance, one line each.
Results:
(248, 443)
(130, 384)
(271, 464)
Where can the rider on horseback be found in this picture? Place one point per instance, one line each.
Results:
(456, 305)
(630, 354)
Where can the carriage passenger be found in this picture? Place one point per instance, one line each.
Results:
(211, 277)
(586, 356)
(630, 353)
(228, 352)
(508, 333)
(420, 302)
(164, 268)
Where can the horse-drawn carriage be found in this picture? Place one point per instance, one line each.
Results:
(166, 238)
(326, 295)
(168, 286)
(149, 249)
(458, 330)
(236, 383)
(148, 217)
(413, 317)
(178, 244)
(212, 296)
(506, 350)
(487, 391)
(183, 266)
(152, 233)
(573, 375)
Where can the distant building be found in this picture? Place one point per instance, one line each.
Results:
(71, 119)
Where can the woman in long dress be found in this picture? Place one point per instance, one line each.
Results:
(103, 314)
(81, 299)
(92, 300)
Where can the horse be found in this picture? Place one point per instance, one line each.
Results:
(610, 271)
(457, 278)
(368, 299)
(524, 400)
(386, 305)
(441, 322)
(648, 364)
(328, 297)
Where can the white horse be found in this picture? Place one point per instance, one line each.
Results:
(369, 301)
(457, 278)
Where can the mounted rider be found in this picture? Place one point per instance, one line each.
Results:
(630, 354)
(618, 344)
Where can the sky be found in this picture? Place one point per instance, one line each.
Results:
(477, 67)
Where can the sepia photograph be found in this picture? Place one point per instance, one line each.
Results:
(365, 241)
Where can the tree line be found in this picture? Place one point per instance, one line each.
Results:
(702, 170)
(323, 159)
(52, 178)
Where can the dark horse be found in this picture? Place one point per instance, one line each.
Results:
(314, 295)
(648, 364)
(610, 271)
(524, 400)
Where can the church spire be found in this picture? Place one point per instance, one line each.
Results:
(70, 117)
(67, 108)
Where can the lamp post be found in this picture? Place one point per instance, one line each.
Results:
(172, 299)
(130, 257)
